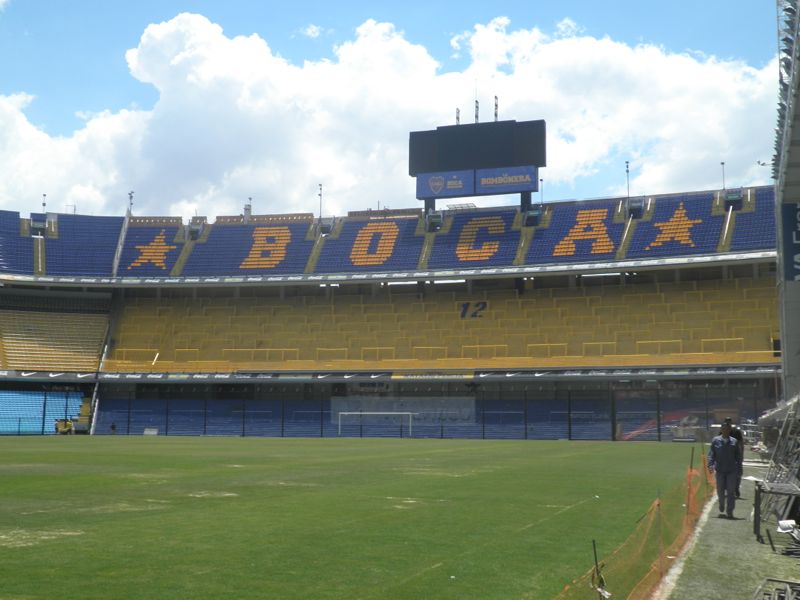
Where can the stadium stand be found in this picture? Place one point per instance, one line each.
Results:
(52, 333)
(755, 229)
(372, 244)
(35, 412)
(81, 245)
(689, 322)
(16, 249)
(165, 327)
(477, 238)
(681, 225)
(150, 248)
(51, 340)
(665, 412)
(251, 249)
(579, 232)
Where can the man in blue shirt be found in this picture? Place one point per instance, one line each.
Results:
(725, 459)
(736, 433)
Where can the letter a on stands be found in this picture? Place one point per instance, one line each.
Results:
(589, 225)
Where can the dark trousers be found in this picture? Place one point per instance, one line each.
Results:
(726, 491)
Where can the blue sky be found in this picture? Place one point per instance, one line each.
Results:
(69, 62)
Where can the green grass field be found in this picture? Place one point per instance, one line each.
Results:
(144, 517)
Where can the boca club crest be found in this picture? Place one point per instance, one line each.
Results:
(436, 184)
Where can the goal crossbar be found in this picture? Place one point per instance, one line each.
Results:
(410, 416)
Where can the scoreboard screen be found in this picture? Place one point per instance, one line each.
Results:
(490, 145)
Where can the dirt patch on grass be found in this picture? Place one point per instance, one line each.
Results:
(204, 494)
(24, 538)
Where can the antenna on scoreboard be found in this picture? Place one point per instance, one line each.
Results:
(44, 203)
(477, 105)
(458, 116)
(628, 177)
(130, 201)
(320, 203)
(495, 109)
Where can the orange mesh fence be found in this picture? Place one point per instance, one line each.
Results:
(635, 568)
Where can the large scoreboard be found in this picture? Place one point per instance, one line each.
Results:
(479, 159)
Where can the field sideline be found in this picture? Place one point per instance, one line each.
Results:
(156, 517)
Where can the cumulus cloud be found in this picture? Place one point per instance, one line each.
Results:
(312, 31)
(235, 120)
(567, 28)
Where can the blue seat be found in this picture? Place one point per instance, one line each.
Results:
(756, 230)
(372, 245)
(149, 251)
(477, 239)
(35, 412)
(681, 225)
(251, 249)
(16, 252)
(85, 246)
(577, 232)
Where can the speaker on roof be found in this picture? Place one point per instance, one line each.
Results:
(635, 208)
(433, 221)
(734, 199)
(533, 217)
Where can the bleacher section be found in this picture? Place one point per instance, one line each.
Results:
(16, 251)
(51, 341)
(84, 246)
(251, 249)
(755, 230)
(149, 250)
(683, 323)
(578, 232)
(33, 412)
(681, 225)
(372, 245)
(477, 239)
(57, 333)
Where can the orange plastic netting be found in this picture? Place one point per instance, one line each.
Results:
(635, 568)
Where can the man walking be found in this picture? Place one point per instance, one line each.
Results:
(736, 434)
(725, 459)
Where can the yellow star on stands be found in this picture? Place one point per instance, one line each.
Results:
(154, 253)
(678, 229)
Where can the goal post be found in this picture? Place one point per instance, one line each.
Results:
(401, 415)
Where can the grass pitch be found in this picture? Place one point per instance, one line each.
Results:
(144, 517)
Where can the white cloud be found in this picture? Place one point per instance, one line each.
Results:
(312, 31)
(567, 28)
(235, 120)
(3, 4)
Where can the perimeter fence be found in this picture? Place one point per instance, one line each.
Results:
(636, 567)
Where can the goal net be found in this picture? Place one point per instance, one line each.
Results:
(404, 419)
